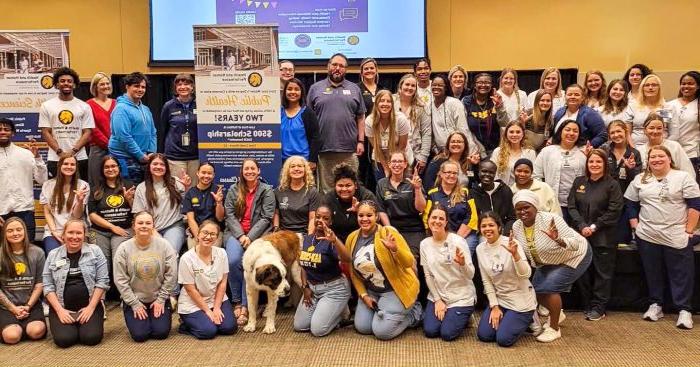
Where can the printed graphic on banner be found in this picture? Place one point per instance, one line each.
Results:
(238, 100)
(27, 61)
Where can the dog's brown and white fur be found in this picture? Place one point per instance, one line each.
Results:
(266, 264)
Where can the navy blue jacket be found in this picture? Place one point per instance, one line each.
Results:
(591, 123)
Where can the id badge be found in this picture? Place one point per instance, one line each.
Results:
(623, 173)
(185, 139)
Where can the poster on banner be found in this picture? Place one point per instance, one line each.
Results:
(238, 99)
(27, 62)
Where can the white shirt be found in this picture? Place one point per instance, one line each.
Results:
(549, 163)
(506, 282)
(18, 171)
(664, 212)
(507, 175)
(566, 117)
(66, 119)
(635, 115)
(557, 102)
(447, 280)
(684, 127)
(677, 155)
(448, 118)
(403, 128)
(60, 218)
(425, 95)
(514, 104)
(610, 117)
(205, 277)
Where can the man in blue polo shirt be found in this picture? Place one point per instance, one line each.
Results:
(341, 115)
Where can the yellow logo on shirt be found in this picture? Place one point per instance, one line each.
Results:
(20, 268)
(581, 189)
(65, 117)
(115, 201)
(195, 200)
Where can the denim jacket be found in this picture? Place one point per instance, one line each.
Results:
(92, 263)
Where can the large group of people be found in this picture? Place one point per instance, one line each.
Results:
(416, 207)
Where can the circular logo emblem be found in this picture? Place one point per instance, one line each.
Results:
(195, 200)
(115, 201)
(147, 267)
(47, 82)
(255, 79)
(302, 40)
(20, 268)
(65, 117)
(353, 40)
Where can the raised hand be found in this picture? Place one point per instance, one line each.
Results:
(512, 246)
(416, 180)
(552, 232)
(459, 257)
(355, 204)
(389, 241)
(129, 193)
(80, 194)
(587, 149)
(33, 147)
(219, 194)
(630, 162)
(328, 234)
(185, 179)
(497, 99)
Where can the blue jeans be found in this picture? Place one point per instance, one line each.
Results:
(175, 235)
(327, 305)
(200, 326)
(150, 328)
(131, 169)
(512, 325)
(390, 319)
(472, 241)
(667, 265)
(236, 281)
(452, 325)
(51, 243)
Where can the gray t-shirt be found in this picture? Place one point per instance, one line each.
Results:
(566, 178)
(337, 108)
(294, 207)
(27, 274)
(164, 214)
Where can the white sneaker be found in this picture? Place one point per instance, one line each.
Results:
(562, 316)
(45, 307)
(537, 325)
(685, 320)
(543, 313)
(654, 313)
(549, 335)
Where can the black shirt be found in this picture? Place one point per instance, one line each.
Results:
(112, 207)
(344, 222)
(75, 293)
(596, 202)
(368, 97)
(399, 204)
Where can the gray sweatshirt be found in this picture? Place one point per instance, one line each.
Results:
(145, 275)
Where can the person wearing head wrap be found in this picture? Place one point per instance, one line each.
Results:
(559, 254)
(522, 171)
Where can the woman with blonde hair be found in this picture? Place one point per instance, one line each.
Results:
(296, 197)
(664, 206)
(420, 138)
(539, 122)
(514, 99)
(513, 146)
(594, 88)
(654, 130)
(102, 106)
(550, 81)
(387, 132)
(458, 82)
(650, 100)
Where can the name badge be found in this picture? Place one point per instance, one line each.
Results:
(60, 263)
(175, 113)
(346, 92)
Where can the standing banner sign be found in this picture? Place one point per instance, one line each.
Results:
(238, 99)
(27, 62)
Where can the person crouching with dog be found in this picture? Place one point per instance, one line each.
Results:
(384, 275)
(326, 289)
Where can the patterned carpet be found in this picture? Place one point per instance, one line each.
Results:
(621, 339)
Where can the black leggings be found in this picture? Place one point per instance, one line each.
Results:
(89, 333)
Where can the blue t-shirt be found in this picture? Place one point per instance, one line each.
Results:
(319, 258)
(294, 140)
(201, 202)
(457, 214)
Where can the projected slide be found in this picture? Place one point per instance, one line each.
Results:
(308, 29)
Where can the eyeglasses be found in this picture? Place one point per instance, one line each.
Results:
(208, 234)
(483, 83)
(396, 161)
(450, 173)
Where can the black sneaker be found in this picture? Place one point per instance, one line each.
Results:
(595, 315)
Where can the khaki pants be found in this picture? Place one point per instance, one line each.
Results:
(190, 167)
(326, 163)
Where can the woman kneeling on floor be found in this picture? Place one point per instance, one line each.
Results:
(75, 277)
(505, 273)
(449, 270)
(326, 290)
(204, 308)
(145, 273)
(384, 275)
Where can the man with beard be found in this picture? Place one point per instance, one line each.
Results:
(20, 168)
(66, 123)
(341, 111)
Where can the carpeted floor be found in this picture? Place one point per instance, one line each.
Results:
(621, 339)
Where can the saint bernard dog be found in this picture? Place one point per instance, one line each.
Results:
(266, 265)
